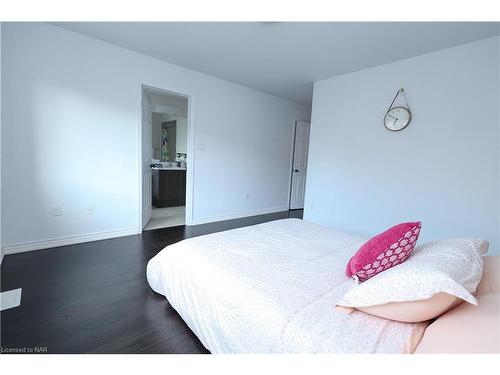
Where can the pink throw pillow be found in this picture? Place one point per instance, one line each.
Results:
(384, 251)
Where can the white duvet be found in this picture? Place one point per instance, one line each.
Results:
(272, 288)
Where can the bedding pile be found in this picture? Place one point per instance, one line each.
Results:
(272, 288)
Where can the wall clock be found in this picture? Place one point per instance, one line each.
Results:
(397, 118)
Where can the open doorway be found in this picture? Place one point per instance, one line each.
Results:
(165, 122)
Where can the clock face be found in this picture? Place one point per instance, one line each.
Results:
(397, 118)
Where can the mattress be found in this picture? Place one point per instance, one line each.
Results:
(272, 288)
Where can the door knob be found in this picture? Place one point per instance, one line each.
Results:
(296, 170)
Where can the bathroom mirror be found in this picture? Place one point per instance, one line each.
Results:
(169, 137)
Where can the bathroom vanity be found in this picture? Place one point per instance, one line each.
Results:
(169, 186)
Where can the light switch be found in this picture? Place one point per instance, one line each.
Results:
(57, 210)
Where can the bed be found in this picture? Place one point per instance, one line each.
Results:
(272, 288)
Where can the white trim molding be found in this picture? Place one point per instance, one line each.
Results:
(68, 240)
(213, 219)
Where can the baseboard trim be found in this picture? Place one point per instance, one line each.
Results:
(213, 219)
(68, 240)
(22, 247)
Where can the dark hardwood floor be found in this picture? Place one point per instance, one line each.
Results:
(94, 297)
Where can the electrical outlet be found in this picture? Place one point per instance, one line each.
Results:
(312, 205)
(246, 195)
(201, 146)
(90, 209)
(56, 210)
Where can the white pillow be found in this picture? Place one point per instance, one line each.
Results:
(451, 266)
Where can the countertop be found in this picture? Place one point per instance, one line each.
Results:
(169, 168)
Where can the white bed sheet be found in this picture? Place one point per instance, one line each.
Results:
(272, 288)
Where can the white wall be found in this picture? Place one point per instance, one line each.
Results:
(1, 249)
(443, 169)
(71, 127)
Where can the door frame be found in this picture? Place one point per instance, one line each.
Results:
(190, 152)
(292, 159)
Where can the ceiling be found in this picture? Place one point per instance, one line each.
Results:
(283, 58)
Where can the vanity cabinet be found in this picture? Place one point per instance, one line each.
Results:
(169, 187)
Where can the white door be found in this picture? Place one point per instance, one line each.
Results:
(299, 170)
(147, 147)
